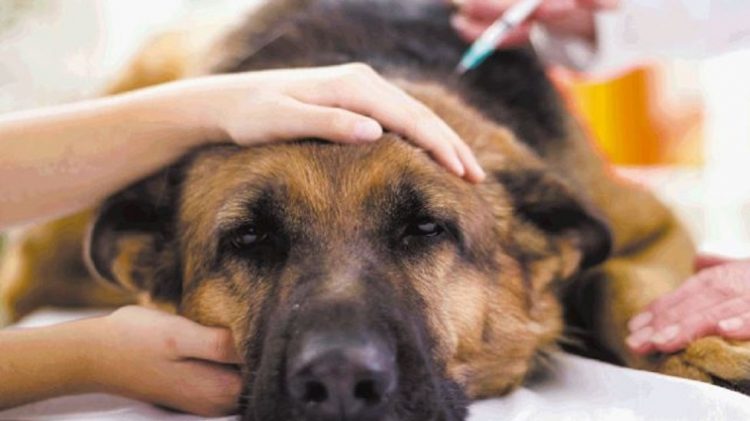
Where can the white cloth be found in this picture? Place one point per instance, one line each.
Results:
(576, 389)
(640, 30)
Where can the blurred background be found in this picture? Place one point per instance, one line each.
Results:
(681, 127)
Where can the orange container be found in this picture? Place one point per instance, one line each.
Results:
(635, 118)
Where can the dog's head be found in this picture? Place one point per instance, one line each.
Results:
(360, 282)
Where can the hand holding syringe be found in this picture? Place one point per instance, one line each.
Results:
(566, 17)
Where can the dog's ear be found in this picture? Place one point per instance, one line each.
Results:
(544, 200)
(130, 242)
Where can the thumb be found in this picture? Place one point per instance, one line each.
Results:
(216, 344)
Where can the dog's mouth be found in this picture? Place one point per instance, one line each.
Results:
(332, 364)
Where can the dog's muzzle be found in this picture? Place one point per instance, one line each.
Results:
(334, 376)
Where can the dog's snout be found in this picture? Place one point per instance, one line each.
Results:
(332, 377)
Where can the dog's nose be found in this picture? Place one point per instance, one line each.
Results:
(331, 377)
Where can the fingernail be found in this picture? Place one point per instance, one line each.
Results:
(480, 172)
(637, 339)
(731, 324)
(368, 130)
(458, 167)
(665, 335)
(477, 173)
(640, 321)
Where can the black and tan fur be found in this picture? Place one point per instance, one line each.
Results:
(551, 238)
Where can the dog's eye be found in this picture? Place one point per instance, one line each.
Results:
(247, 237)
(428, 229)
(424, 228)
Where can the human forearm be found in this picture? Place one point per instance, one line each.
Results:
(42, 363)
(63, 159)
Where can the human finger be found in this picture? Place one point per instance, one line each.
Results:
(364, 91)
(334, 124)
(737, 327)
(706, 261)
(200, 388)
(193, 340)
(484, 10)
(698, 323)
(693, 287)
(471, 29)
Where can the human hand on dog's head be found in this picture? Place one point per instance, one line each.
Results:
(566, 17)
(345, 103)
(166, 360)
(716, 301)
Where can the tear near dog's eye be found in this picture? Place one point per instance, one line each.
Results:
(247, 237)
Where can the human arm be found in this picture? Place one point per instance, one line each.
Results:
(62, 159)
(135, 352)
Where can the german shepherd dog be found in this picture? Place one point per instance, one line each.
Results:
(366, 282)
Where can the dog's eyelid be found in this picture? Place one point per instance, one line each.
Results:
(430, 226)
(244, 227)
(251, 216)
(228, 229)
(248, 236)
(255, 205)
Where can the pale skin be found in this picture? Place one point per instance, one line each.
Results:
(67, 158)
(716, 301)
(569, 17)
(135, 352)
